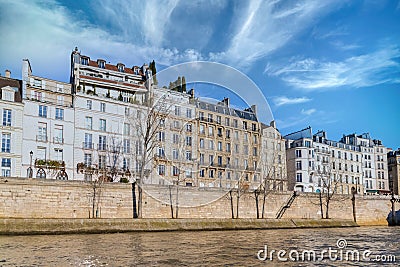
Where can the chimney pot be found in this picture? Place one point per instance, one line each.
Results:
(8, 74)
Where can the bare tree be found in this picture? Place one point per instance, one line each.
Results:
(148, 121)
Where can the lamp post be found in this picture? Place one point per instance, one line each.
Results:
(30, 165)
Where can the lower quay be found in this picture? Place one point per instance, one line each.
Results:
(51, 206)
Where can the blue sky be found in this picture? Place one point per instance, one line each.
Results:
(333, 65)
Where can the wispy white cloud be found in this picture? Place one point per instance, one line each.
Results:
(308, 111)
(46, 32)
(283, 100)
(382, 66)
(265, 26)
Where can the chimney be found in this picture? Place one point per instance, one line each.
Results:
(254, 109)
(272, 124)
(7, 74)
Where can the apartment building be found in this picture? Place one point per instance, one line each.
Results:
(313, 159)
(108, 100)
(11, 108)
(175, 160)
(48, 136)
(374, 162)
(229, 145)
(273, 158)
(394, 170)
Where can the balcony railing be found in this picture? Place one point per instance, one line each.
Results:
(87, 145)
(41, 138)
(58, 140)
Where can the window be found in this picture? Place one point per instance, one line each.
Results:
(228, 133)
(188, 155)
(89, 104)
(58, 134)
(84, 61)
(6, 117)
(175, 171)
(127, 111)
(219, 119)
(6, 142)
(127, 146)
(188, 173)
(42, 111)
(201, 143)
(253, 127)
(228, 147)
(103, 107)
(60, 100)
(58, 154)
(201, 115)
(102, 142)
(211, 144)
(88, 141)
(101, 64)
(298, 153)
(6, 167)
(161, 152)
(246, 150)
(7, 95)
(41, 153)
(88, 123)
(298, 165)
(188, 113)
(161, 136)
(175, 138)
(219, 160)
(188, 140)
(127, 129)
(202, 173)
(161, 169)
(210, 130)
(37, 83)
(188, 127)
(219, 146)
(211, 160)
(175, 154)
(210, 118)
(202, 130)
(201, 159)
(177, 111)
(87, 160)
(42, 132)
(227, 121)
(36, 95)
(236, 135)
(59, 114)
(299, 177)
(211, 174)
(102, 125)
(245, 125)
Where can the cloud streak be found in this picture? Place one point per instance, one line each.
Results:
(283, 100)
(379, 67)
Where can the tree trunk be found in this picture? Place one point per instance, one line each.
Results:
(170, 201)
(135, 215)
(263, 203)
(177, 201)
(327, 209)
(94, 199)
(320, 205)
(237, 204)
(140, 198)
(231, 198)
(256, 194)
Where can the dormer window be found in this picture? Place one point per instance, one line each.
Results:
(121, 67)
(101, 63)
(84, 60)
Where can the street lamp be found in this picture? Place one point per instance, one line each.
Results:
(30, 172)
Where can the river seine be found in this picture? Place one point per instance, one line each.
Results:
(297, 247)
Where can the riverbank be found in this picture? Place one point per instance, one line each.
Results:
(96, 226)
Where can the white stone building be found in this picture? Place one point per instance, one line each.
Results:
(11, 109)
(48, 127)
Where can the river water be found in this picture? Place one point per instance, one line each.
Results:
(211, 248)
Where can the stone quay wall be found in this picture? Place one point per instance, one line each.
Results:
(37, 198)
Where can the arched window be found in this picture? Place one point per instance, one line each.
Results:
(41, 173)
